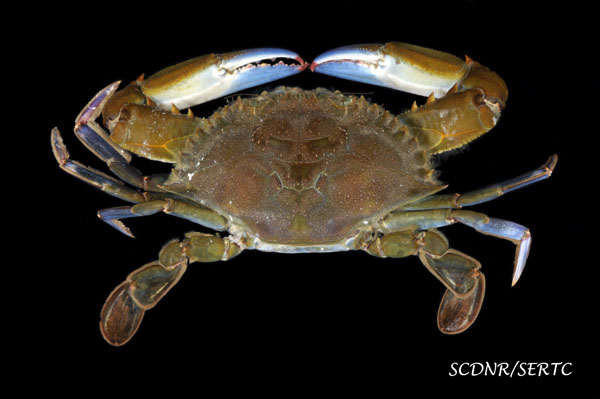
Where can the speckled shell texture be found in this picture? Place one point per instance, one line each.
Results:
(302, 167)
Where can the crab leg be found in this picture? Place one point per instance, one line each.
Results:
(193, 213)
(90, 135)
(429, 219)
(470, 95)
(485, 194)
(99, 143)
(89, 175)
(458, 272)
(125, 307)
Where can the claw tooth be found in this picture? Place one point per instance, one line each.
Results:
(468, 59)
(190, 114)
(175, 110)
(414, 106)
(453, 89)
(150, 102)
(140, 79)
(430, 99)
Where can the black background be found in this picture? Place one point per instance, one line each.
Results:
(311, 323)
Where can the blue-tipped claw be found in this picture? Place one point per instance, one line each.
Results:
(206, 78)
(398, 66)
(252, 69)
(358, 63)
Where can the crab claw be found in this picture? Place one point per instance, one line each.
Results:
(211, 76)
(409, 68)
(399, 66)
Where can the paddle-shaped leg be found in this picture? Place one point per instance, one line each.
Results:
(458, 272)
(125, 307)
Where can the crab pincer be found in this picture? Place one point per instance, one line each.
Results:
(211, 76)
(409, 68)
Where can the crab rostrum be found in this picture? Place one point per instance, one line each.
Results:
(294, 171)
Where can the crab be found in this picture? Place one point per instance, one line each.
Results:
(294, 170)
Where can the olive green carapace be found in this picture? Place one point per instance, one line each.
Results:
(302, 167)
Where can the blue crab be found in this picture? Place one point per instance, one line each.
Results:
(294, 170)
